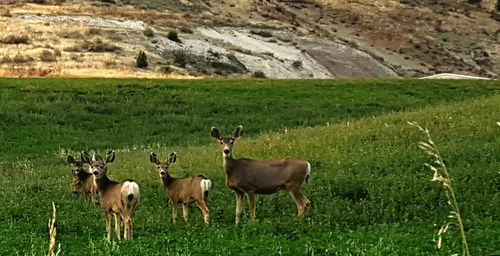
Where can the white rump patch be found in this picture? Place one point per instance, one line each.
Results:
(130, 191)
(206, 185)
(308, 169)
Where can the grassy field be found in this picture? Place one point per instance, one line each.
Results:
(370, 191)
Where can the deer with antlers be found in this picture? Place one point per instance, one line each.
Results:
(119, 198)
(185, 191)
(250, 177)
(83, 181)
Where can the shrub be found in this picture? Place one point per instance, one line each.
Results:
(165, 69)
(5, 12)
(181, 58)
(148, 32)
(15, 39)
(93, 46)
(57, 52)
(72, 34)
(297, 64)
(93, 31)
(47, 56)
(259, 74)
(172, 35)
(142, 60)
(262, 33)
(18, 59)
(186, 30)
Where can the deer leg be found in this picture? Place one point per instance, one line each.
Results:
(239, 200)
(185, 211)
(117, 225)
(126, 223)
(92, 194)
(251, 205)
(174, 211)
(306, 202)
(128, 228)
(298, 201)
(131, 214)
(204, 209)
(108, 226)
(129, 220)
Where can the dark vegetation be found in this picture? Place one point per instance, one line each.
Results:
(142, 60)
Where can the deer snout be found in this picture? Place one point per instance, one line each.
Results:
(162, 173)
(226, 151)
(95, 172)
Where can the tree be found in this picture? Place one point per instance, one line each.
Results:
(142, 60)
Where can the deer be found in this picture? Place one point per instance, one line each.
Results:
(185, 191)
(250, 177)
(119, 198)
(83, 181)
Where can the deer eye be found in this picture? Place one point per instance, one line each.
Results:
(221, 142)
(101, 166)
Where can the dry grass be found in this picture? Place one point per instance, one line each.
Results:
(15, 39)
(53, 234)
(95, 52)
(17, 59)
(163, 17)
(442, 176)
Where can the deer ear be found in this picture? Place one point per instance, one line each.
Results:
(110, 157)
(71, 160)
(216, 134)
(238, 132)
(85, 157)
(153, 158)
(173, 158)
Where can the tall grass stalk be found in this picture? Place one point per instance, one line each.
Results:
(53, 234)
(441, 175)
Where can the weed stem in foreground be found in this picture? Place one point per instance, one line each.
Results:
(441, 175)
(53, 233)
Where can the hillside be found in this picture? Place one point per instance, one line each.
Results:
(277, 39)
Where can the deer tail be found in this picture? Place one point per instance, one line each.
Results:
(308, 171)
(205, 185)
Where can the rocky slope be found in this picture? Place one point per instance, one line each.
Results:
(276, 39)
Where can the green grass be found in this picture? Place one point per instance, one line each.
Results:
(370, 192)
(41, 117)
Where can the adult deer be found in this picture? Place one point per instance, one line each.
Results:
(83, 181)
(185, 191)
(249, 177)
(119, 198)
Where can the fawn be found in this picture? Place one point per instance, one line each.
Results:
(185, 191)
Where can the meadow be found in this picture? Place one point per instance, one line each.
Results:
(370, 191)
